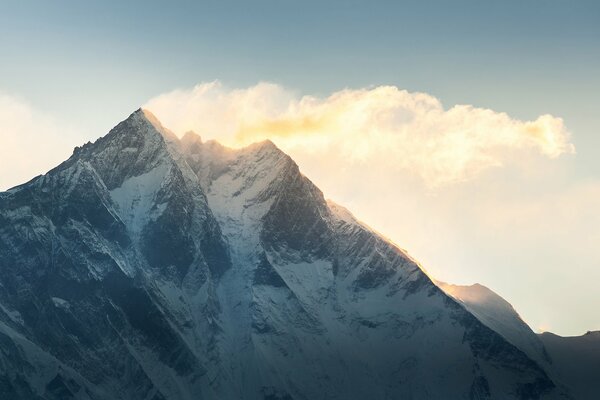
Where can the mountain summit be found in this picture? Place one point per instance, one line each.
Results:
(148, 267)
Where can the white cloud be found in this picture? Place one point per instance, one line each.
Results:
(528, 230)
(31, 142)
(384, 125)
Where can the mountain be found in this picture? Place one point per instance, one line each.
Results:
(573, 363)
(577, 362)
(499, 315)
(149, 267)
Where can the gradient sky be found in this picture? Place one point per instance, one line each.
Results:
(70, 70)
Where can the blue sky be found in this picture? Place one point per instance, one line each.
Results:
(84, 66)
(523, 57)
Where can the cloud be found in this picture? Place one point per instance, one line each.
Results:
(384, 125)
(473, 194)
(391, 157)
(31, 142)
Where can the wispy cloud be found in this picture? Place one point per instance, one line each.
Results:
(383, 125)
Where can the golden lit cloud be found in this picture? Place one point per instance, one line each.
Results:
(383, 125)
(380, 152)
(392, 157)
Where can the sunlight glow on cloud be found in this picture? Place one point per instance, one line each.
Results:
(31, 142)
(383, 125)
(430, 179)
(391, 157)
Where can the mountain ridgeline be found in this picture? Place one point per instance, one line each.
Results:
(147, 267)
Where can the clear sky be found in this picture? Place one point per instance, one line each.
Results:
(519, 216)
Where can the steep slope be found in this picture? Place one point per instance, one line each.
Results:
(577, 362)
(79, 251)
(500, 316)
(362, 318)
(573, 363)
(145, 267)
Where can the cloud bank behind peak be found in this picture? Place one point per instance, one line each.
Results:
(381, 126)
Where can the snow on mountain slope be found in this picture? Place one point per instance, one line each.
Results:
(499, 315)
(148, 267)
(573, 363)
(135, 198)
(307, 256)
(577, 362)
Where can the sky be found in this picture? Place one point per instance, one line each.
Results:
(467, 131)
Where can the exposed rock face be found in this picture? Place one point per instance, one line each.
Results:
(148, 267)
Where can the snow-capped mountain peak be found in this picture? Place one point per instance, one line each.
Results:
(148, 267)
